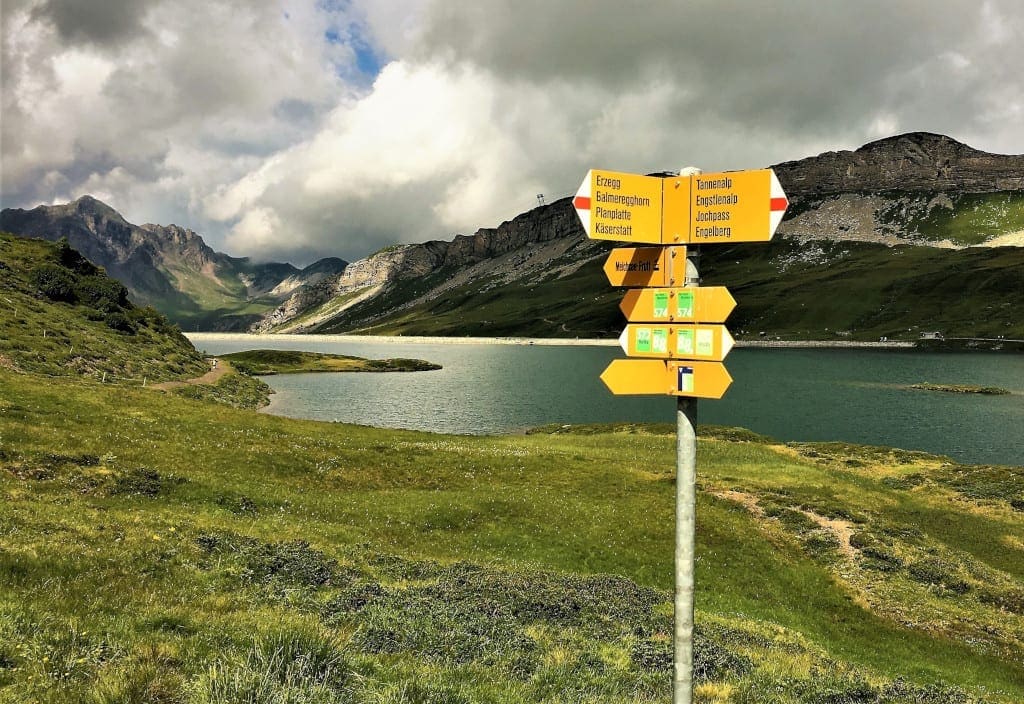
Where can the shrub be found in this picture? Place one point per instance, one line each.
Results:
(102, 293)
(143, 482)
(292, 562)
(54, 282)
(1010, 599)
(881, 559)
(938, 573)
(120, 322)
(71, 259)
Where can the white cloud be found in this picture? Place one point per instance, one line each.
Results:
(257, 229)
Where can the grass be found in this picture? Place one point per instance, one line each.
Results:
(106, 339)
(196, 553)
(961, 388)
(973, 219)
(266, 362)
(234, 389)
(176, 547)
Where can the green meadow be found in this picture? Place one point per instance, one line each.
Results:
(160, 548)
(268, 362)
(171, 545)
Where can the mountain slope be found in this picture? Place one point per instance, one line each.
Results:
(169, 267)
(880, 229)
(62, 317)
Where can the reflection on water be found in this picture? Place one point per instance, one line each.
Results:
(850, 395)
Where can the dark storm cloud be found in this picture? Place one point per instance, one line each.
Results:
(97, 22)
(808, 65)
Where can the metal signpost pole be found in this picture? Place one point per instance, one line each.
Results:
(686, 527)
(676, 325)
(686, 502)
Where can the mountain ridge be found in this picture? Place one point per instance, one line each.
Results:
(914, 161)
(916, 189)
(860, 204)
(169, 266)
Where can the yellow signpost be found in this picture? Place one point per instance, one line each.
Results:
(672, 378)
(733, 206)
(621, 207)
(696, 304)
(673, 319)
(707, 342)
(646, 266)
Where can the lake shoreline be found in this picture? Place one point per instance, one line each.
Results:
(540, 341)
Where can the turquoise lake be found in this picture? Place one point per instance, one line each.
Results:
(857, 396)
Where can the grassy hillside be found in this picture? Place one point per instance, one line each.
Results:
(205, 554)
(868, 291)
(61, 316)
(579, 305)
(971, 218)
(822, 290)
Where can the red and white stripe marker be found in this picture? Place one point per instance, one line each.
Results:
(778, 206)
(582, 202)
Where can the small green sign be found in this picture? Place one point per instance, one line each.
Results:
(643, 339)
(684, 341)
(684, 304)
(659, 341)
(661, 304)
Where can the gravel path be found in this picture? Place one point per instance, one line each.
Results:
(218, 369)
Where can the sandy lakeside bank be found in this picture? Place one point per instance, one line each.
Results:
(409, 340)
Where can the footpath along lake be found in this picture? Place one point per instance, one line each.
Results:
(851, 395)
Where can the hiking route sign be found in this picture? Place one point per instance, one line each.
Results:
(671, 212)
(675, 324)
(734, 206)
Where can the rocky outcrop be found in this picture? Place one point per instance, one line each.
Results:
(918, 161)
(543, 224)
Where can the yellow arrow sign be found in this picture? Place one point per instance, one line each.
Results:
(709, 342)
(646, 266)
(734, 206)
(706, 304)
(656, 376)
(617, 206)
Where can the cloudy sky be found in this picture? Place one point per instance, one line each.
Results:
(294, 129)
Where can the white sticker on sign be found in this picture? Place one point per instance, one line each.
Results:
(705, 342)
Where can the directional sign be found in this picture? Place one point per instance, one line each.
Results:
(646, 266)
(618, 206)
(710, 342)
(735, 206)
(657, 376)
(704, 304)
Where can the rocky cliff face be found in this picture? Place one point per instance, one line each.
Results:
(543, 224)
(919, 161)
